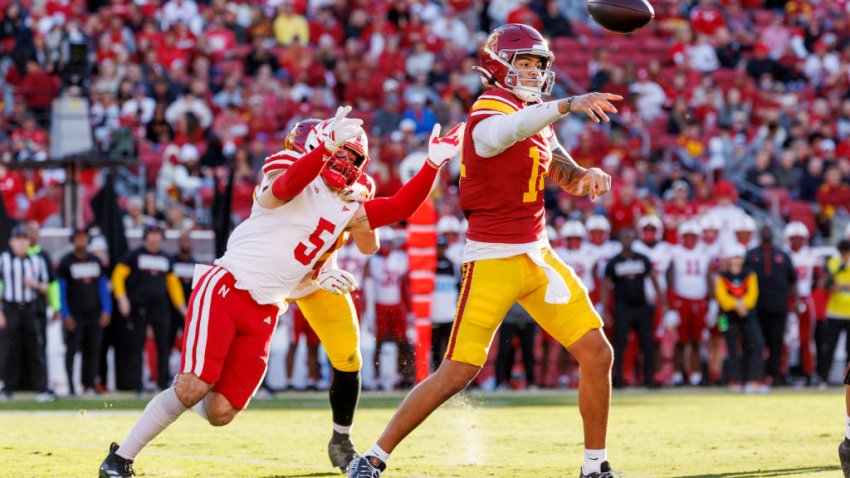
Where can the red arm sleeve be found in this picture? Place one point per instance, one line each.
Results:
(387, 210)
(299, 174)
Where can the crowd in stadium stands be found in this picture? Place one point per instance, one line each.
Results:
(729, 104)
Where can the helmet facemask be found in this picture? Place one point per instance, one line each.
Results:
(343, 168)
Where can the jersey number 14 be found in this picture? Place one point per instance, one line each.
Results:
(535, 182)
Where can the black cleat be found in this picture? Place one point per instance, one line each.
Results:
(366, 467)
(115, 466)
(844, 456)
(605, 472)
(341, 451)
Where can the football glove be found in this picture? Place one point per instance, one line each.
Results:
(442, 149)
(671, 319)
(336, 131)
(712, 314)
(336, 281)
(361, 191)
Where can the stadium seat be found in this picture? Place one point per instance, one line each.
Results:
(801, 211)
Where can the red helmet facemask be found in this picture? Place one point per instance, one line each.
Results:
(339, 171)
(744, 237)
(690, 241)
(349, 162)
(709, 236)
(574, 243)
(649, 234)
(796, 242)
(597, 236)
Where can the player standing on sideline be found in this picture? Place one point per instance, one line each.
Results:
(389, 269)
(711, 247)
(652, 245)
(233, 310)
(807, 265)
(509, 148)
(688, 277)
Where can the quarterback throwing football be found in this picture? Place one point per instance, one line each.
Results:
(509, 147)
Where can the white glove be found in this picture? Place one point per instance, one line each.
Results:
(336, 131)
(361, 191)
(711, 315)
(671, 319)
(442, 149)
(336, 281)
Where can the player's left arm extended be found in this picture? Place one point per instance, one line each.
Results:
(388, 210)
(367, 242)
(574, 179)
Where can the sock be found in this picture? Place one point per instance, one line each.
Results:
(342, 429)
(847, 429)
(593, 460)
(160, 412)
(201, 409)
(344, 393)
(378, 452)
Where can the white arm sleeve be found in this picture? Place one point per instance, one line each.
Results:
(497, 133)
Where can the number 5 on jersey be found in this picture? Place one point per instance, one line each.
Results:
(535, 182)
(301, 250)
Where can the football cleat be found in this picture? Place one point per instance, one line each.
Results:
(341, 451)
(366, 467)
(605, 472)
(844, 456)
(115, 466)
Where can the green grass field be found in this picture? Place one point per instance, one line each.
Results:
(667, 434)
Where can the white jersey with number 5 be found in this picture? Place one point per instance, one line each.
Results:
(690, 267)
(805, 262)
(274, 249)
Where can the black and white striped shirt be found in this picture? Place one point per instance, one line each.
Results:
(13, 271)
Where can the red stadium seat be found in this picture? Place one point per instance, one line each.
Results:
(801, 211)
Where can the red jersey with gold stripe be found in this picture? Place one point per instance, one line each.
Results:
(502, 196)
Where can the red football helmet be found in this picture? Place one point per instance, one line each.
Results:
(499, 53)
(340, 170)
(296, 140)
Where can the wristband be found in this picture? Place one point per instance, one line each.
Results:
(570, 104)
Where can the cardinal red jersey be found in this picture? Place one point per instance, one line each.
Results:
(502, 196)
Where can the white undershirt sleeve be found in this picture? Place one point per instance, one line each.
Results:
(499, 132)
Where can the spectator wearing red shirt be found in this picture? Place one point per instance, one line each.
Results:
(220, 38)
(706, 18)
(589, 149)
(833, 194)
(523, 14)
(626, 209)
(45, 207)
(38, 89)
(324, 23)
(11, 187)
(677, 210)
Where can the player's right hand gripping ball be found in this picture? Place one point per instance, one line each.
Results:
(442, 149)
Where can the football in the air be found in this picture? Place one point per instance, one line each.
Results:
(621, 16)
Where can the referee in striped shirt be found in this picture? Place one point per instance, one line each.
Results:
(24, 277)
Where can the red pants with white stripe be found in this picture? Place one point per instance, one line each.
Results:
(227, 337)
(691, 318)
